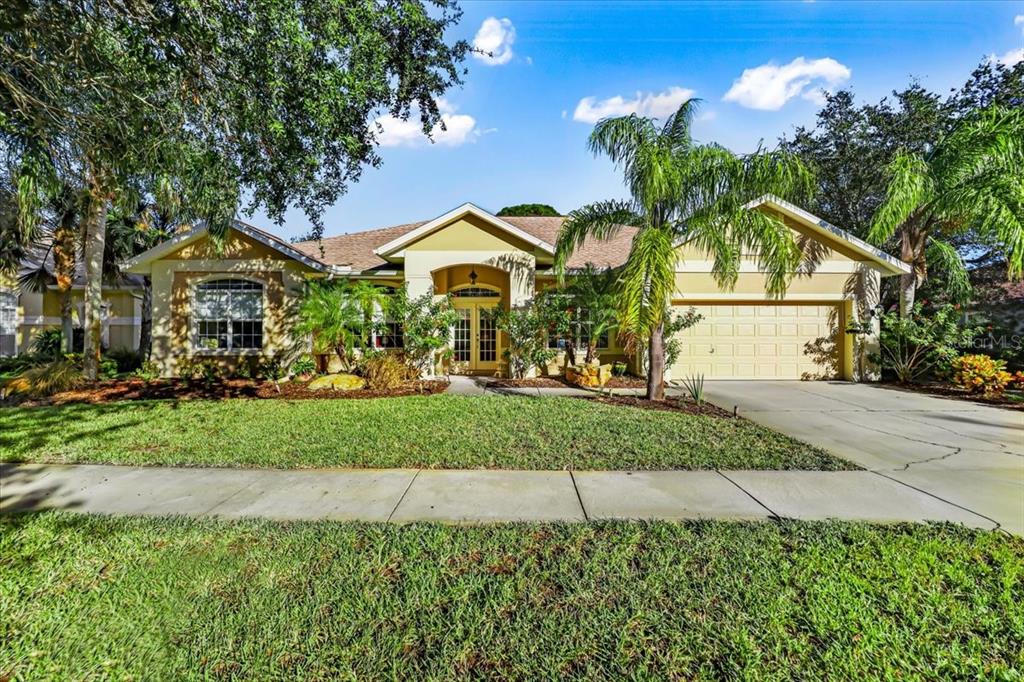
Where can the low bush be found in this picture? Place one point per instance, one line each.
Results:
(920, 343)
(384, 371)
(305, 365)
(148, 371)
(46, 379)
(980, 374)
(269, 368)
(47, 343)
(108, 368)
(200, 369)
(127, 360)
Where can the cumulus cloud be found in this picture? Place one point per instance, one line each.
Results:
(654, 104)
(770, 85)
(458, 129)
(1010, 58)
(1019, 21)
(494, 41)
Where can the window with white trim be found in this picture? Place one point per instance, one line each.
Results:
(228, 315)
(8, 322)
(581, 329)
(389, 331)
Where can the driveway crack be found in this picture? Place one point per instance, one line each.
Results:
(956, 451)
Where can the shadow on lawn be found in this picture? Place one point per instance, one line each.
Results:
(35, 428)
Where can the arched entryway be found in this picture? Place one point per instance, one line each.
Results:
(477, 293)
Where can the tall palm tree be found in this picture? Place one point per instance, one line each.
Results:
(681, 189)
(972, 179)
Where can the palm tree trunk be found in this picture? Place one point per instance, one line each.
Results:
(95, 236)
(67, 329)
(656, 364)
(912, 246)
(146, 323)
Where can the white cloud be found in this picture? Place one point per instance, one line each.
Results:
(1019, 21)
(458, 129)
(494, 41)
(653, 104)
(770, 86)
(1008, 59)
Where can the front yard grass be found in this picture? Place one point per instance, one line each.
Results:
(430, 431)
(85, 597)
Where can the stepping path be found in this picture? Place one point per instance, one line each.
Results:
(470, 496)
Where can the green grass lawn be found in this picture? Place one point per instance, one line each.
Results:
(86, 597)
(430, 431)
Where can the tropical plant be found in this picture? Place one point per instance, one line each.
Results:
(304, 365)
(912, 345)
(694, 385)
(384, 370)
(47, 343)
(426, 327)
(526, 334)
(148, 371)
(980, 374)
(970, 180)
(591, 295)
(46, 379)
(681, 189)
(334, 319)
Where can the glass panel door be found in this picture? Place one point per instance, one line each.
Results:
(487, 338)
(462, 336)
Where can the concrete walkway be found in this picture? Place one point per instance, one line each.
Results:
(968, 454)
(478, 496)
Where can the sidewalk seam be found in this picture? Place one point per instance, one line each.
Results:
(404, 493)
(748, 494)
(579, 498)
(998, 526)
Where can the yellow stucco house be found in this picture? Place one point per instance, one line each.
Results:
(239, 300)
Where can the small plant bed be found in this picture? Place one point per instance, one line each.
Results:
(439, 432)
(1010, 399)
(669, 404)
(90, 597)
(533, 382)
(117, 390)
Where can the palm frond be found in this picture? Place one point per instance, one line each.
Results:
(601, 220)
(647, 281)
(910, 186)
(621, 137)
(942, 256)
(676, 132)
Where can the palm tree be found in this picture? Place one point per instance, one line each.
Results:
(680, 189)
(592, 295)
(335, 320)
(972, 179)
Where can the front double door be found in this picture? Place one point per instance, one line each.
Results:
(475, 337)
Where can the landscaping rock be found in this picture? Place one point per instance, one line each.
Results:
(337, 382)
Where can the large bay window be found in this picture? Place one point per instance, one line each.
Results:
(228, 315)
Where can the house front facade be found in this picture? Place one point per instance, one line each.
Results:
(238, 299)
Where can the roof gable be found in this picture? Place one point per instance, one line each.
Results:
(466, 210)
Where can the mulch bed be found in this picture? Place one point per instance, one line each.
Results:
(560, 382)
(172, 389)
(667, 405)
(940, 390)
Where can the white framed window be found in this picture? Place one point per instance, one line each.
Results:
(582, 325)
(8, 323)
(228, 315)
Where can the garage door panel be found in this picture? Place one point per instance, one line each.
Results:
(762, 341)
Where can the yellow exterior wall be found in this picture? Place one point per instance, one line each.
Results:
(41, 310)
(175, 276)
(469, 234)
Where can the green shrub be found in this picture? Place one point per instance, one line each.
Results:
(694, 385)
(206, 370)
(107, 368)
(47, 343)
(384, 371)
(980, 374)
(127, 360)
(526, 333)
(147, 371)
(46, 379)
(305, 365)
(269, 368)
(920, 343)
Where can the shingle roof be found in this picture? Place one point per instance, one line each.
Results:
(356, 250)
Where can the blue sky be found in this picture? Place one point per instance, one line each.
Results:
(518, 126)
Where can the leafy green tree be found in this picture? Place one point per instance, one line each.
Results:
(528, 210)
(426, 327)
(681, 189)
(971, 179)
(201, 104)
(527, 339)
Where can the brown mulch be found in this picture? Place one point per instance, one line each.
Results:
(667, 405)
(940, 390)
(626, 382)
(116, 390)
(535, 382)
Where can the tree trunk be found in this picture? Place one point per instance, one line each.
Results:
(95, 236)
(912, 246)
(656, 364)
(146, 323)
(67, 329)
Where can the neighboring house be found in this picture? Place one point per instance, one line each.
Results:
(997, 300)
(25, 313)
(239, 300)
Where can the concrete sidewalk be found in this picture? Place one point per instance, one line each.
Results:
(474, 496)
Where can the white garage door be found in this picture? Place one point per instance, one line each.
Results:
(761, 341)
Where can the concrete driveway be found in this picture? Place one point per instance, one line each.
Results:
(968, 454)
